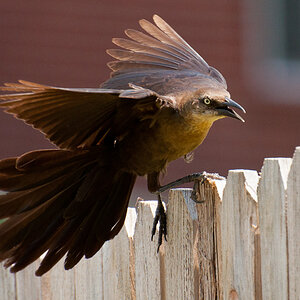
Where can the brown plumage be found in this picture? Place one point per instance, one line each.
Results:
(158, 105)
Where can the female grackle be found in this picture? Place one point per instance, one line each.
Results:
(158, 105)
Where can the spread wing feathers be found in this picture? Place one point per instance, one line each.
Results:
(70, 118)
(74, 118)
(161, 49)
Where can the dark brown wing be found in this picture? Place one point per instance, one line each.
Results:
(76, 117)
(161, 61)
(70, 118)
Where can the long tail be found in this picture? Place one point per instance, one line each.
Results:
(59, 201)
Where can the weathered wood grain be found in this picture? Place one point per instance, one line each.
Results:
(88, 279)
(273, 227)
(118, 259)
(238, 224)
(179, 266)
(7, 284)
(28, 286)
(147, 261)
(293, 219)
(208, 241)
(58, 284)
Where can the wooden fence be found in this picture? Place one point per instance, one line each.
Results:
(243, 242)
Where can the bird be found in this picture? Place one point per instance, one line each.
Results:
(158, 105)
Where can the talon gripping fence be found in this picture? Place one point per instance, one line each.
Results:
(243, 242)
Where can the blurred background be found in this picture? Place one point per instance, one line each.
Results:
(254, 44)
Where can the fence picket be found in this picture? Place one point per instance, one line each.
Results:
(293, 218)
(28, 286)
(238, 224)
(179, 265)
(7, 284)
(88, 279)
(118, 282)
(147, 261)
(206, 248)
(57, 283)
(273, 235)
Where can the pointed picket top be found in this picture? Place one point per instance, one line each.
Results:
(220, 186)
(273, 233)
(293, 219)
(238, 225)
(280, 165)
(130, 221)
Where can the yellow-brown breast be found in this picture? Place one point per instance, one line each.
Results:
(172, 136)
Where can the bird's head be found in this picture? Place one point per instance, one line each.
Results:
(212, 104)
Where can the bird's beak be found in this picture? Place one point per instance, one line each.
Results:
(225, 109)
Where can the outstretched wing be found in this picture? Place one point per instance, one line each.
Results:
(70, 118)
(77, 117)
(160, 60)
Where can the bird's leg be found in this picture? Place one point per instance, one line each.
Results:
(155, 187)
(203, 176)
(160, 213)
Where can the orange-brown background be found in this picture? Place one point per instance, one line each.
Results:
(62, 43)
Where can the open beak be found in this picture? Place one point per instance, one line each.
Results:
(225, 109)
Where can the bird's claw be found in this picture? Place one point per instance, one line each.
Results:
(161, 217)
(203, 177)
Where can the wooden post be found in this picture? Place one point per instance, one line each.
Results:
(118, 282)
(179, 265)
(239, 221)
(208, 239)
(293, 222)
(273, 227)
(147, 260)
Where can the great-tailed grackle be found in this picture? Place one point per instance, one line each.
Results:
(158, 105)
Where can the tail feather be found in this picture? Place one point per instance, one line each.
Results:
(102, 222)
(59, 201)
(21, 231)
(24, 200)
(40, 234)
(18, 174)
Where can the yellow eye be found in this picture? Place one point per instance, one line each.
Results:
(206, 101)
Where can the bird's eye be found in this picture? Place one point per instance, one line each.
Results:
(206, 101)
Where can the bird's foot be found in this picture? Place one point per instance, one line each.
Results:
(203, 176)
(161, 217)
